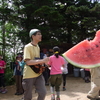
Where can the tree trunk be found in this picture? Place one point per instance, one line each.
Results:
(3, 40)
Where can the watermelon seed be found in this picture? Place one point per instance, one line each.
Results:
(97, 46)
(87, 50)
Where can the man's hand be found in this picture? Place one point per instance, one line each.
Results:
(45, 60)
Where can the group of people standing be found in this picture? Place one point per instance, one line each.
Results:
(30, 77)
(26, 77)
(31, 70)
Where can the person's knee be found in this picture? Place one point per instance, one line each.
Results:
(41, 96)
(42, 93)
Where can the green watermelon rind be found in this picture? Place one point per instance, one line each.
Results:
(80, 65)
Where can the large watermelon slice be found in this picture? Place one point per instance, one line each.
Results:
(85, 54)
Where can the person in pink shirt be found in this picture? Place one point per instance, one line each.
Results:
(2, 83)
(55, 62)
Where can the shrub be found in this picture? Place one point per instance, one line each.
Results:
(9, 80)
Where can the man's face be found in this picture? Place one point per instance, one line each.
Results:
(37, 37)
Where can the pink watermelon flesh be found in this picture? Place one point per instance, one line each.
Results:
(85, 54)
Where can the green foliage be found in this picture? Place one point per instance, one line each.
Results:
(60, 21)
(9, 79)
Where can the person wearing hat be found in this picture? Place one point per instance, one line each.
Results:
(30, 77)
(18, 74)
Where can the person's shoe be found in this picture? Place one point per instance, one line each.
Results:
(4, 91)
(64, 88)
(52, 97)
(19, 93)
(57, 98)
(16, 93)
(87, 81)
(91, 98)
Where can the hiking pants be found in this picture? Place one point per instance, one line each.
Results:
(55, 81)
(39, 84)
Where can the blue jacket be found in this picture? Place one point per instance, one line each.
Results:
(21, 67)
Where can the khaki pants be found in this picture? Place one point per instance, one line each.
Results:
(55, 81)
(95, 82)
(39, 84)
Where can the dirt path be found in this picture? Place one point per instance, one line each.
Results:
(77, 89)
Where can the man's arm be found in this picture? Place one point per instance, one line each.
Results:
(39, 61)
